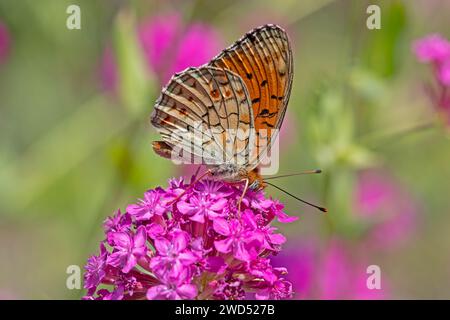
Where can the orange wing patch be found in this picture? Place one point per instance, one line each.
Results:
(263, 59)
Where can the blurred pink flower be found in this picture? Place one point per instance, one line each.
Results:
(390, 210)
(344, 276)
(444, 73)
(301, 260)
(168, 47)
(289, 132)
(158, 38)
(199, 44)
(432, 48)
(4, 42)
(337, 271)
(435, 49)
(108, 70)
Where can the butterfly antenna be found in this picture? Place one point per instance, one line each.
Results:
(297, 198)
(295, 174)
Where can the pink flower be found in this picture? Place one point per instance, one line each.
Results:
(165, 247)
(118, 223)
(389, 209)
(302, 259)
(4, 42)
(444, 74)
(335, 274)
(168, 47)
(198, 45)
(171, 47)
(127, 249)
(228, 289)
(108, 70)
(279, 287)
(256, 224)
(245, 245)
(173, 255)
(172, 292)
(433, 48)
(277, 209)
(147, 207)
(199, 207)
(104, 294)
(95, 268)
(339, 271)
(344, 278)
(177, 289)
(158, 37)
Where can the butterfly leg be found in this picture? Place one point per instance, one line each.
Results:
(242, 196)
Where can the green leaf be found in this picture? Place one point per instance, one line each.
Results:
(382, 53)
(137, 84)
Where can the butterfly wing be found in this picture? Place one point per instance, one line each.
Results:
(263, 59)
(206, 114)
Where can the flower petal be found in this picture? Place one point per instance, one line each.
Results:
(199, 217)
(223, 246)
(185, 207)
(180, 241)
(221, 226)
(140, 237)
(116, 259)
(219, 205)
(277, 238)
(163, 246)
(154, 230)
(187, 291)
(131, 262)
(154, 292)
(120, 240)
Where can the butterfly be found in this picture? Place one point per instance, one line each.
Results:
(227, 113)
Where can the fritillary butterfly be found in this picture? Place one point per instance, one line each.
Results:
(227, 113)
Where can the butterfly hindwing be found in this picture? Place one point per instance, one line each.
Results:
(201, 111)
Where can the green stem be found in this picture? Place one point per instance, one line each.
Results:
(377, 140)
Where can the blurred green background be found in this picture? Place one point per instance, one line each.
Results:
(72, 152)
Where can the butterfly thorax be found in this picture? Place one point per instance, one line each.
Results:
(236, 174)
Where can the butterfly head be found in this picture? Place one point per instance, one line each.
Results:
(236, 174)
(255, 181)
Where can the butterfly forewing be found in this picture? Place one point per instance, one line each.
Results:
(263, 59)
(206, 112)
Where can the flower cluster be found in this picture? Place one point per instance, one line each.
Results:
(435, 50)
(190, 241)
